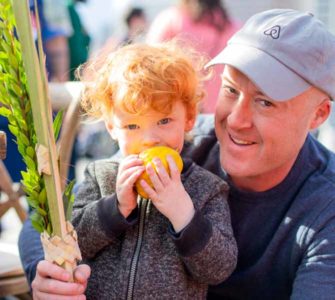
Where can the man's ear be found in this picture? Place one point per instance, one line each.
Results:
(321, 113)
(110, 129)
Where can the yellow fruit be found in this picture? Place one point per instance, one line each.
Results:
(148, 155)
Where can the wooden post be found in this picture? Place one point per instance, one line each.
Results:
(3, 145)
(6, 185)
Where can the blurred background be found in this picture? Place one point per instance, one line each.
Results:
(104, 18)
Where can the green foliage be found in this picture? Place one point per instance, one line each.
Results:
(57, 123)
(68, 199)
(16, 106)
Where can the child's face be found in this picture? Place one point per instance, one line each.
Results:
(136, 133)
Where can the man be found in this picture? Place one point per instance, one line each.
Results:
(277, 85)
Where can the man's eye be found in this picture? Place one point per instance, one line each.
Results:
(164, 121)
(229, 89)
(232, 90)
(265, 103)
(132, 126)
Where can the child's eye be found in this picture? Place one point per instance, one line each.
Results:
(164, 121)
(132, 126)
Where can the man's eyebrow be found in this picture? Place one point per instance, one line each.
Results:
(227, 80)
(260, 93)
(231, 82)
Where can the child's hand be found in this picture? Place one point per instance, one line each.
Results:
(129, 170)
(168, 194)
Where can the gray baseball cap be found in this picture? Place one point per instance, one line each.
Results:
(284, 52)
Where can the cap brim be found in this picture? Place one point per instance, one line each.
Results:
(272, 77)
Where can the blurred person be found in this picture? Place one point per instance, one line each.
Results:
(71, 45)
(102, 20)
(54, 39)
(206, 25)
(136, 22)
(79, 40)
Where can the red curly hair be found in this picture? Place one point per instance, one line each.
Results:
(139, 77)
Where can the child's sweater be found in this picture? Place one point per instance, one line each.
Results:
(142, 257)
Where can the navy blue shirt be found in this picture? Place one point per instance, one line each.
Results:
(286, 235)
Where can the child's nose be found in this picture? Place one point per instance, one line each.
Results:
(150, 139)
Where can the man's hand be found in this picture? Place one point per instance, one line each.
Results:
(51, 282)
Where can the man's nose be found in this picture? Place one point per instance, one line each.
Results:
(241, 115)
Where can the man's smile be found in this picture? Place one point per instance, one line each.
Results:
(240, 141)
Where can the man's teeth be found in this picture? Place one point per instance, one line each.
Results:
(241, 142)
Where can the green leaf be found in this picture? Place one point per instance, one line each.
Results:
(37, 222)
(33, 202)
(49, 228)
(68, 199)
(25, 175)
(41, 211)
(3, 55)
(13, 61)
(21, 149)
(27, 109)
(42, 197)
(24, 139)
(5, 111)
(23, 125)
(13, 129)
(29, 162)
(6, 47)
(30, 152)
(34, 194)
(58, 123)
(11, 119)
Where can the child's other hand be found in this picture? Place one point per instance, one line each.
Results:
(130, 169)
(168, 194)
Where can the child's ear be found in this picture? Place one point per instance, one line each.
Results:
(191, 116)
(110, 129)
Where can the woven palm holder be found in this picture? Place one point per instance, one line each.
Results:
(63, 252)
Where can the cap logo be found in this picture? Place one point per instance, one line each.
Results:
(274, 32)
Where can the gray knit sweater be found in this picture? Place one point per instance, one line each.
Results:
(141, 257)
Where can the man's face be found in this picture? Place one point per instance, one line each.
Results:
(259, 137)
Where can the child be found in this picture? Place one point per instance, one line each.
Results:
(176, 243)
